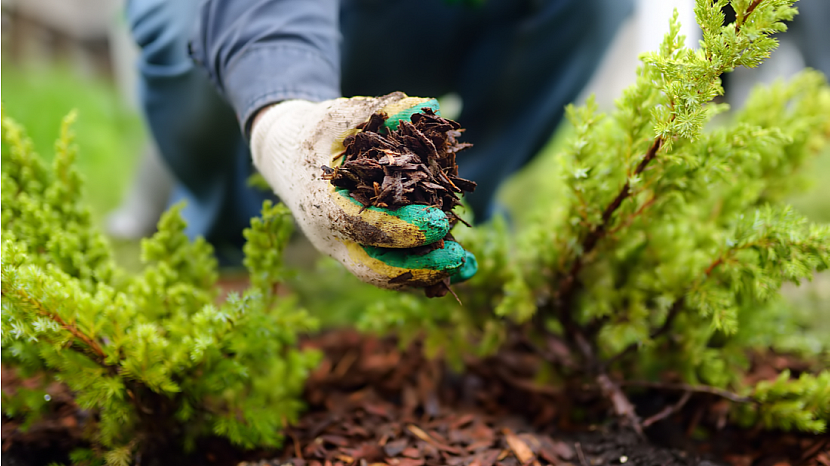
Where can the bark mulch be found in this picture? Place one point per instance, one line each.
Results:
(413, 164)
(372, 402)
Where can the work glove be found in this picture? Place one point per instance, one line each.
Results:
(292, 141)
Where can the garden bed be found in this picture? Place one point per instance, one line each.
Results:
(371, 402)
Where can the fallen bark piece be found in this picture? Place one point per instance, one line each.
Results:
(520, 449)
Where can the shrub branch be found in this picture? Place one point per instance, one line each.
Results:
(567, 287)
(561, 304)
(90, 343)
(726, 394)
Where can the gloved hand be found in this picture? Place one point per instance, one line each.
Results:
(290, 143)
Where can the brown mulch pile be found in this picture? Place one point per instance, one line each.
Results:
(60, 429)
(413, 164)
(372, 403)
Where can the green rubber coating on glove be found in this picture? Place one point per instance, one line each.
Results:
(431, 221)
(393, 121)
(451, 257)
(466, 271)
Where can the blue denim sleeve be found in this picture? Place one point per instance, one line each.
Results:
(258, 52)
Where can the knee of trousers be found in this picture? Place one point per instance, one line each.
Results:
(161, 28)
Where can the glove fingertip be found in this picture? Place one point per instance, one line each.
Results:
(466, 271)
(404, 110)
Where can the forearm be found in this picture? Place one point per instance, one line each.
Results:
(258, 52)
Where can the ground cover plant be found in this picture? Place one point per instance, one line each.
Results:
(656, 270)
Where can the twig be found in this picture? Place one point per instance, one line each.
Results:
(524, 384)
(622, 406)
(813, 451)
(610, 389)
(581, 455)
(674, 310)
(566, 360)
(453, 293)
(690, 388)
(298, 452)
(739, 22)
(712, 266)
(668, 410)
(636, 214)
(418, 432)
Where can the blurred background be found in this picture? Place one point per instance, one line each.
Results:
(59, 55)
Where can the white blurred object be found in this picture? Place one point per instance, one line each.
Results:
(653, 17)
(146, 200)
(45, 30)
(79, 19)
(642, 32)
(784, 62)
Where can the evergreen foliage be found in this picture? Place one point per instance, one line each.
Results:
(155, 357)
(666, 250)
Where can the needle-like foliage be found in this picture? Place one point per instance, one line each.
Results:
(666, 250)
(156, 358)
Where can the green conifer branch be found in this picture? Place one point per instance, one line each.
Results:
(739, 21)
(567, 282)
(40, 309)
(152, 356)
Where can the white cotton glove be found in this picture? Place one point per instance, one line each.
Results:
(290, 143)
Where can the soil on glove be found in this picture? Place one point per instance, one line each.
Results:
(414, 164)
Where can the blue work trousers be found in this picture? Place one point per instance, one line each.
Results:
(514, 63)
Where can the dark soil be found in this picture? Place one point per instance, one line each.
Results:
(371, 402)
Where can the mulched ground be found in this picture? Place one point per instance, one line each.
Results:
(373, 403)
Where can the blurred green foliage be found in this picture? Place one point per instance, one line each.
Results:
(110, 132)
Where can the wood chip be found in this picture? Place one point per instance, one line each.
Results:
(520, 449)
(395, 447)
(418, 432)
(414, 164)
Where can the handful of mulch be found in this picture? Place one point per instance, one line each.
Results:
(414, 164)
